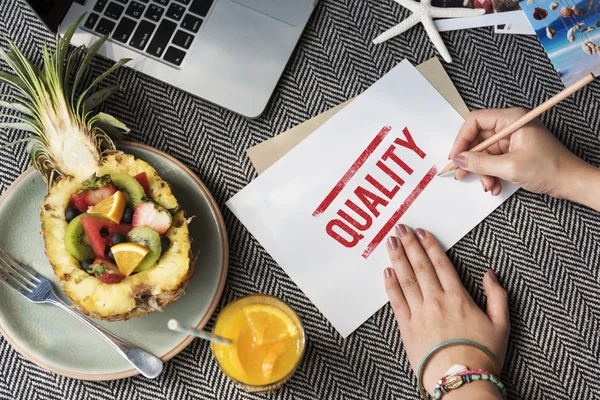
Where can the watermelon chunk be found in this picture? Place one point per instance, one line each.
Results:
(142, 179)
(100, 233)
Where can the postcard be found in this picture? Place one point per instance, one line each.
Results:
(324, 210)
(567, 30)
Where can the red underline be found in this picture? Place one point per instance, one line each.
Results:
(400, 212)
(352, 171)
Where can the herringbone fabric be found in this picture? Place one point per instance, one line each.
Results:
(544, 250)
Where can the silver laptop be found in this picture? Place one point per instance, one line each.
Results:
(228, 52)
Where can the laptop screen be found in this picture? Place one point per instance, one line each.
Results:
(52, 12)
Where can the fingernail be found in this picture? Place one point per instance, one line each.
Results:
(388, 273)
(401, 229)
(392, 243)
(492, 275)
(483, 185)
(420, 233)
(460, 161)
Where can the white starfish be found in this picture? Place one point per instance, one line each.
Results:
(424, 13)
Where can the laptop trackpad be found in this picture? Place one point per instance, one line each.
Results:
(288, 11)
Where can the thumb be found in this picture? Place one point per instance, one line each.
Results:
(483, 163)
(497, 300)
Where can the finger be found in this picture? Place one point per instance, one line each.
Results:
(483, 163)
(497, 189)
(483, 120)
(404, 273)
(444, 269)
(460, 173)
(420, 263)
(396, 297)
(497, 300)
(494, 149)
(487, 182)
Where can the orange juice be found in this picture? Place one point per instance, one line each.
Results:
(268, 342)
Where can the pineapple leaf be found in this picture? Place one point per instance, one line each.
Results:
(22, 126)
(90, 53)
(16, 106)
(97, 98)
(23, 68)
(75, 53)
(15, 82)
(99, 79)
(62, 46)
(27, 139)
(108, 125)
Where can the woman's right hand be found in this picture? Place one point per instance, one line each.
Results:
(531, 157)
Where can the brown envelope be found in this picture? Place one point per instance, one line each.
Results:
(265, 154)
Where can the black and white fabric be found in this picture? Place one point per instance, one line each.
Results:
(545, 251)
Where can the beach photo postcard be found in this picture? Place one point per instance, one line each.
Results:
(570, 34)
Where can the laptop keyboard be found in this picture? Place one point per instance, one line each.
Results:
(162, 29)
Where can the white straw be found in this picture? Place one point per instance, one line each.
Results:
(177, 326)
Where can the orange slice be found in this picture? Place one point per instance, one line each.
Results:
(128, 256)
(273, 354)
(268, 324)
(112, 207)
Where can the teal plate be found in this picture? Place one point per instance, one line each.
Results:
(54, 340)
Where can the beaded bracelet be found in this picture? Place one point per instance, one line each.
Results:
(451, 382)
(434, 349)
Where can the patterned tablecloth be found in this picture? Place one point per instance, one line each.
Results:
(545, 251)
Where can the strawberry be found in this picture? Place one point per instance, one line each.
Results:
(95, 189)
(152, 215)
(106, 271)
(111, 277)
(142, 179)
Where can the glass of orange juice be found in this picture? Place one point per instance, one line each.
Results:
(268, 342)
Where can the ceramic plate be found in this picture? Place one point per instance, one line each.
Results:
(53, 339)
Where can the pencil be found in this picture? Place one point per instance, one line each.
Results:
(545, 106)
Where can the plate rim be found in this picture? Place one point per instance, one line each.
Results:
(203, 321)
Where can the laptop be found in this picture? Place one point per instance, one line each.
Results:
(228, 52)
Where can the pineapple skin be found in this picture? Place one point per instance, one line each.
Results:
(138, 294)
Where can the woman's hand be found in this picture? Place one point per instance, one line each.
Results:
(531, 157)
(432, 306)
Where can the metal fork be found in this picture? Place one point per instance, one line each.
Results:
(37, 289)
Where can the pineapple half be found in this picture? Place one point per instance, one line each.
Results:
(68, 143)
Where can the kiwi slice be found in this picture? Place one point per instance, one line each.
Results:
(128, 185)
(149, 238)
(76, 242)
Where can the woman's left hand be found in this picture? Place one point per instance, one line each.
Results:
(432, 306)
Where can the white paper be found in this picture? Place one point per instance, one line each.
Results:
(278, 206)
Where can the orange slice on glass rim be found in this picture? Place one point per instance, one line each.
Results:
(269, 324)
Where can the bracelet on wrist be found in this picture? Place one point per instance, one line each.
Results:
(447, 343)
(452, 382)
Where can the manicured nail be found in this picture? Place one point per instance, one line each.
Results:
(492, 275)
(483, 185)
(392, 243)
(401, 229)
(388, 273)
(420, 233)
(460, 161)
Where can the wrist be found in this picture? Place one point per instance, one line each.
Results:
(581, 184)
(480, 390)
(439, 363)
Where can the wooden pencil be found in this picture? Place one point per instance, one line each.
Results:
(545, 106)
